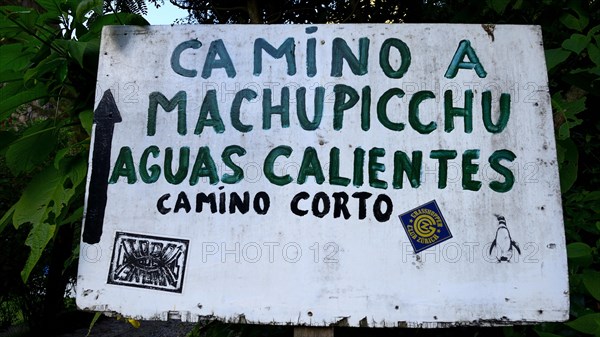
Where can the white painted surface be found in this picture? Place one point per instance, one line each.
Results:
(347, 268)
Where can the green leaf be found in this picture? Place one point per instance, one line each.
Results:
(498, 5)
(9, 90)
(32, 148)
(7, 218)
(51, 6)
(568, 110)
(15, 56)
(577, 250)
(589, 324)
(591, 280)
(85, 6)
(570, 21)
(38, 238)
(76, 216)
(9, 76)
(595, 71)
(25, 17)
(546, 334)
(15, 9)
(518, 4)
(50, 19)
(12, 32)
(75, 169)
(576, 43)
(93, 322)
(555, 57)
(60, 155)
(49, 64)
(62, 72)
(590, 196)
(78, 49)
(42, 53)
(594, 53)
(86, 118)
(92, 50)
(44, 199)
(8, 103)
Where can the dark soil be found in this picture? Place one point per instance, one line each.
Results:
(104, 327)
(111, 327)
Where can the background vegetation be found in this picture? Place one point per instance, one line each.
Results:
(48, 61)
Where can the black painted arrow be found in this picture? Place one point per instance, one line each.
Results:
(105, 117)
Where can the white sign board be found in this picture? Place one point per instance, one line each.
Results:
(391, 175)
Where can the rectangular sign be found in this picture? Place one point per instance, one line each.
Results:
(388, 175)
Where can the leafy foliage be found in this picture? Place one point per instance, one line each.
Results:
(131, 6)
(305, 11)
(49, 55)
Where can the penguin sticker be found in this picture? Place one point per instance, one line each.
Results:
(503, 243)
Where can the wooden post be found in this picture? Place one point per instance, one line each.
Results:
(309, 331)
